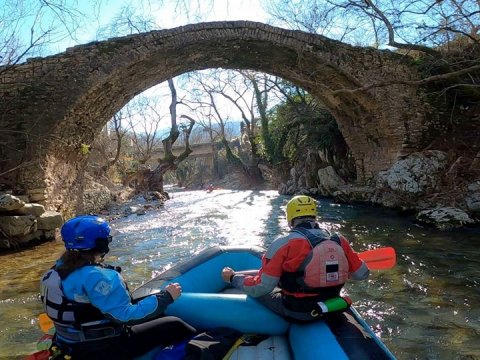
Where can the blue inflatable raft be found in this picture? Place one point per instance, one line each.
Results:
(207, 303)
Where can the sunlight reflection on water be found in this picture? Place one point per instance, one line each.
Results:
(427, 307)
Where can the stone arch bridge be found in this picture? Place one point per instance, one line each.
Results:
(50, 106)
(205, 151)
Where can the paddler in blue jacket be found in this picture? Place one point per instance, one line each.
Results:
(91, 306)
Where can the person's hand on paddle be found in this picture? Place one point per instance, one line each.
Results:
(174, 289)
(227, 274)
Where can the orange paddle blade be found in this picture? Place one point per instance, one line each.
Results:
(379, 259)
(45, 323)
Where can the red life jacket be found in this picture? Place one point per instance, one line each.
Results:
(325, 266)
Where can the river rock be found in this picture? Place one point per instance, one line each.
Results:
(295, 184)
(282, 189)
(353, 193)
(445, 218)
(50, 220)
(31, 209)
(9, 202)
(131, 210)
(18, 225)
(22, 222)
(329, 181)
(409, 179)
(288, 188)
(36, 195)
(472, 199)
(24, 198)
(39, 235)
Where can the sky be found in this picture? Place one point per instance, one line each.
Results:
(166, 13)
(74, 22)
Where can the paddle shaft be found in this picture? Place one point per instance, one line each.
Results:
(377, 259)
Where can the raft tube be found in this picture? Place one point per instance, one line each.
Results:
(205, 305)
(202, 273)
(238, 311)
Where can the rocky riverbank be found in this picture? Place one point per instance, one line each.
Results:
(416, 183)
(420, 183)
(23, 222)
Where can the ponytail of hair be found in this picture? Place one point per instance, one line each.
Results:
(73, 260)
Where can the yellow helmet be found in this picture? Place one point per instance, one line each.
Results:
(301, 205)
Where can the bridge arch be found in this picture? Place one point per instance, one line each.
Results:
(53, 105)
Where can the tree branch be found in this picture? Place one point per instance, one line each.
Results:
(391, 33)
(412, 83)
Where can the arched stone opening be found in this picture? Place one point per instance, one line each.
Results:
(83, 88)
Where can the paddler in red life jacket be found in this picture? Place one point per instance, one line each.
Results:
(304, 270)
(90, 304)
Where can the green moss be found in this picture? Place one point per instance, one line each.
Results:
(84, 149)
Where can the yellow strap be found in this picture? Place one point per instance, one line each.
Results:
(234, 347)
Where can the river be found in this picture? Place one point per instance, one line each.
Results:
(427, 307)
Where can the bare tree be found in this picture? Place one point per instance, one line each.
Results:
(231, 87)
(171, 161)
(262, 89)
(129, 20)
(28, 28)
(318, 17)
(120, 133)
(144, 120)
(109, 143)
(407, 24)
(441, 35)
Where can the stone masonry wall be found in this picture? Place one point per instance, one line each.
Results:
(51, 106)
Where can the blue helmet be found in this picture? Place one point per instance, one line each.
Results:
(86, 233)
